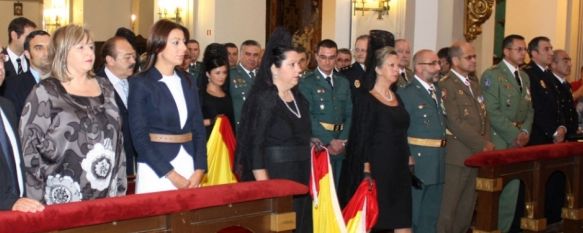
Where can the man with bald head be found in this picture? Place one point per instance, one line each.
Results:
(403, 50)
(426, 138)
(468, 132)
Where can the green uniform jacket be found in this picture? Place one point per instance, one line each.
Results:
(466, 118)
(332, 106)
(509, 110)
(239, 87)
(426, 122)
(401, 83)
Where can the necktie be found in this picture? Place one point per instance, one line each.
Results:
(329, 80)
(251, 74)
(518, 80)
(18, 62)
(468, 84)
(404, 77)
(8, 154)
(433, 96)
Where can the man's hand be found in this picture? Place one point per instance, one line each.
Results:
(27, 205)
(522, 139)
(489, 146)
(336, 146)
(178, 180)
(559, 135)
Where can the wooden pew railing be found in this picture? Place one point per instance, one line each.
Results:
(532, 166)
(264, 206)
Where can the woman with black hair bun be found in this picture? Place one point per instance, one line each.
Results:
(274, 132)
(215, 96)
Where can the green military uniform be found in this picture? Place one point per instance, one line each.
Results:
(468, 131)
(239, 86)
(404, 81)
(510, 112)
(196, 71)
(426, 137)
(330, 110)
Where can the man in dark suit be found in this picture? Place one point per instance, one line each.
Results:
(195, 68)
(36, 49)
(11, 166)
(120, 59)
(18, 29)
(355, 72)
(468, 132)
(549, 123)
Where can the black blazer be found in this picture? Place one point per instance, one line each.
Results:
(355, 75)
(9, 70)
(553, 106)
(17, 89)
(128, 145)
(152, 110)
(8, 191)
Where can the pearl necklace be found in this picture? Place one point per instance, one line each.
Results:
(297, 112)
(388, 96)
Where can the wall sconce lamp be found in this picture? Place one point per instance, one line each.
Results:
(382, 7)
(133, 18)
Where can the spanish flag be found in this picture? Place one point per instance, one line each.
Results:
(361, 212)
(327, 216)
(221, 152)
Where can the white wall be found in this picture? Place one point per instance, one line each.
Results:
(103, 19)
(31, 10)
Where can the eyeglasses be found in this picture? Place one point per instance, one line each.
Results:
(519, 49)
(428, 63)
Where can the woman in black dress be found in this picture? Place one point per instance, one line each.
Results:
(215, 98)
(378, 143)
(274, 134)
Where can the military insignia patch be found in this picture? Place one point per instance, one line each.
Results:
(487, 83)
(357, 83)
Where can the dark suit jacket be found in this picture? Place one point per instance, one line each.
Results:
(355, 74)
(9, 70)
(128, 145)
(152, 110)
(17, 89)
(552, 103)
(8, 191)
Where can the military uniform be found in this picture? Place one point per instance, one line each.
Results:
(426, 137)
(468, 131)
(355, 75)
(239, 87)
(553, 105)
(196, 72)
(510, 112)
(404, 81)
(330, 110)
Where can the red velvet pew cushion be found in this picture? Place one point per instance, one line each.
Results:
(510, 156)
(99, 211)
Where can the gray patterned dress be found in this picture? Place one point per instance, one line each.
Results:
(72, 145)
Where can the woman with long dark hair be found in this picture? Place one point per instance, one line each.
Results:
(274, 135)
(165, 116)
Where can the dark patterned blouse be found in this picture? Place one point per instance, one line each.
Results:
(72, 145)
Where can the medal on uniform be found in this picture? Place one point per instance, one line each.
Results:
(542, 83)
(466, 112)
(443, 94)
(357, 83)
(421, 106)
(321, 106)
(480, 99)
(507, 102)
(460, 92)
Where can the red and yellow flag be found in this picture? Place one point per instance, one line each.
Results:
(361, 212)
(327, 216)
(221, 154)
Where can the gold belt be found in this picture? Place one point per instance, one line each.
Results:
(171, 138)
(426, 142)
(332, 127)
